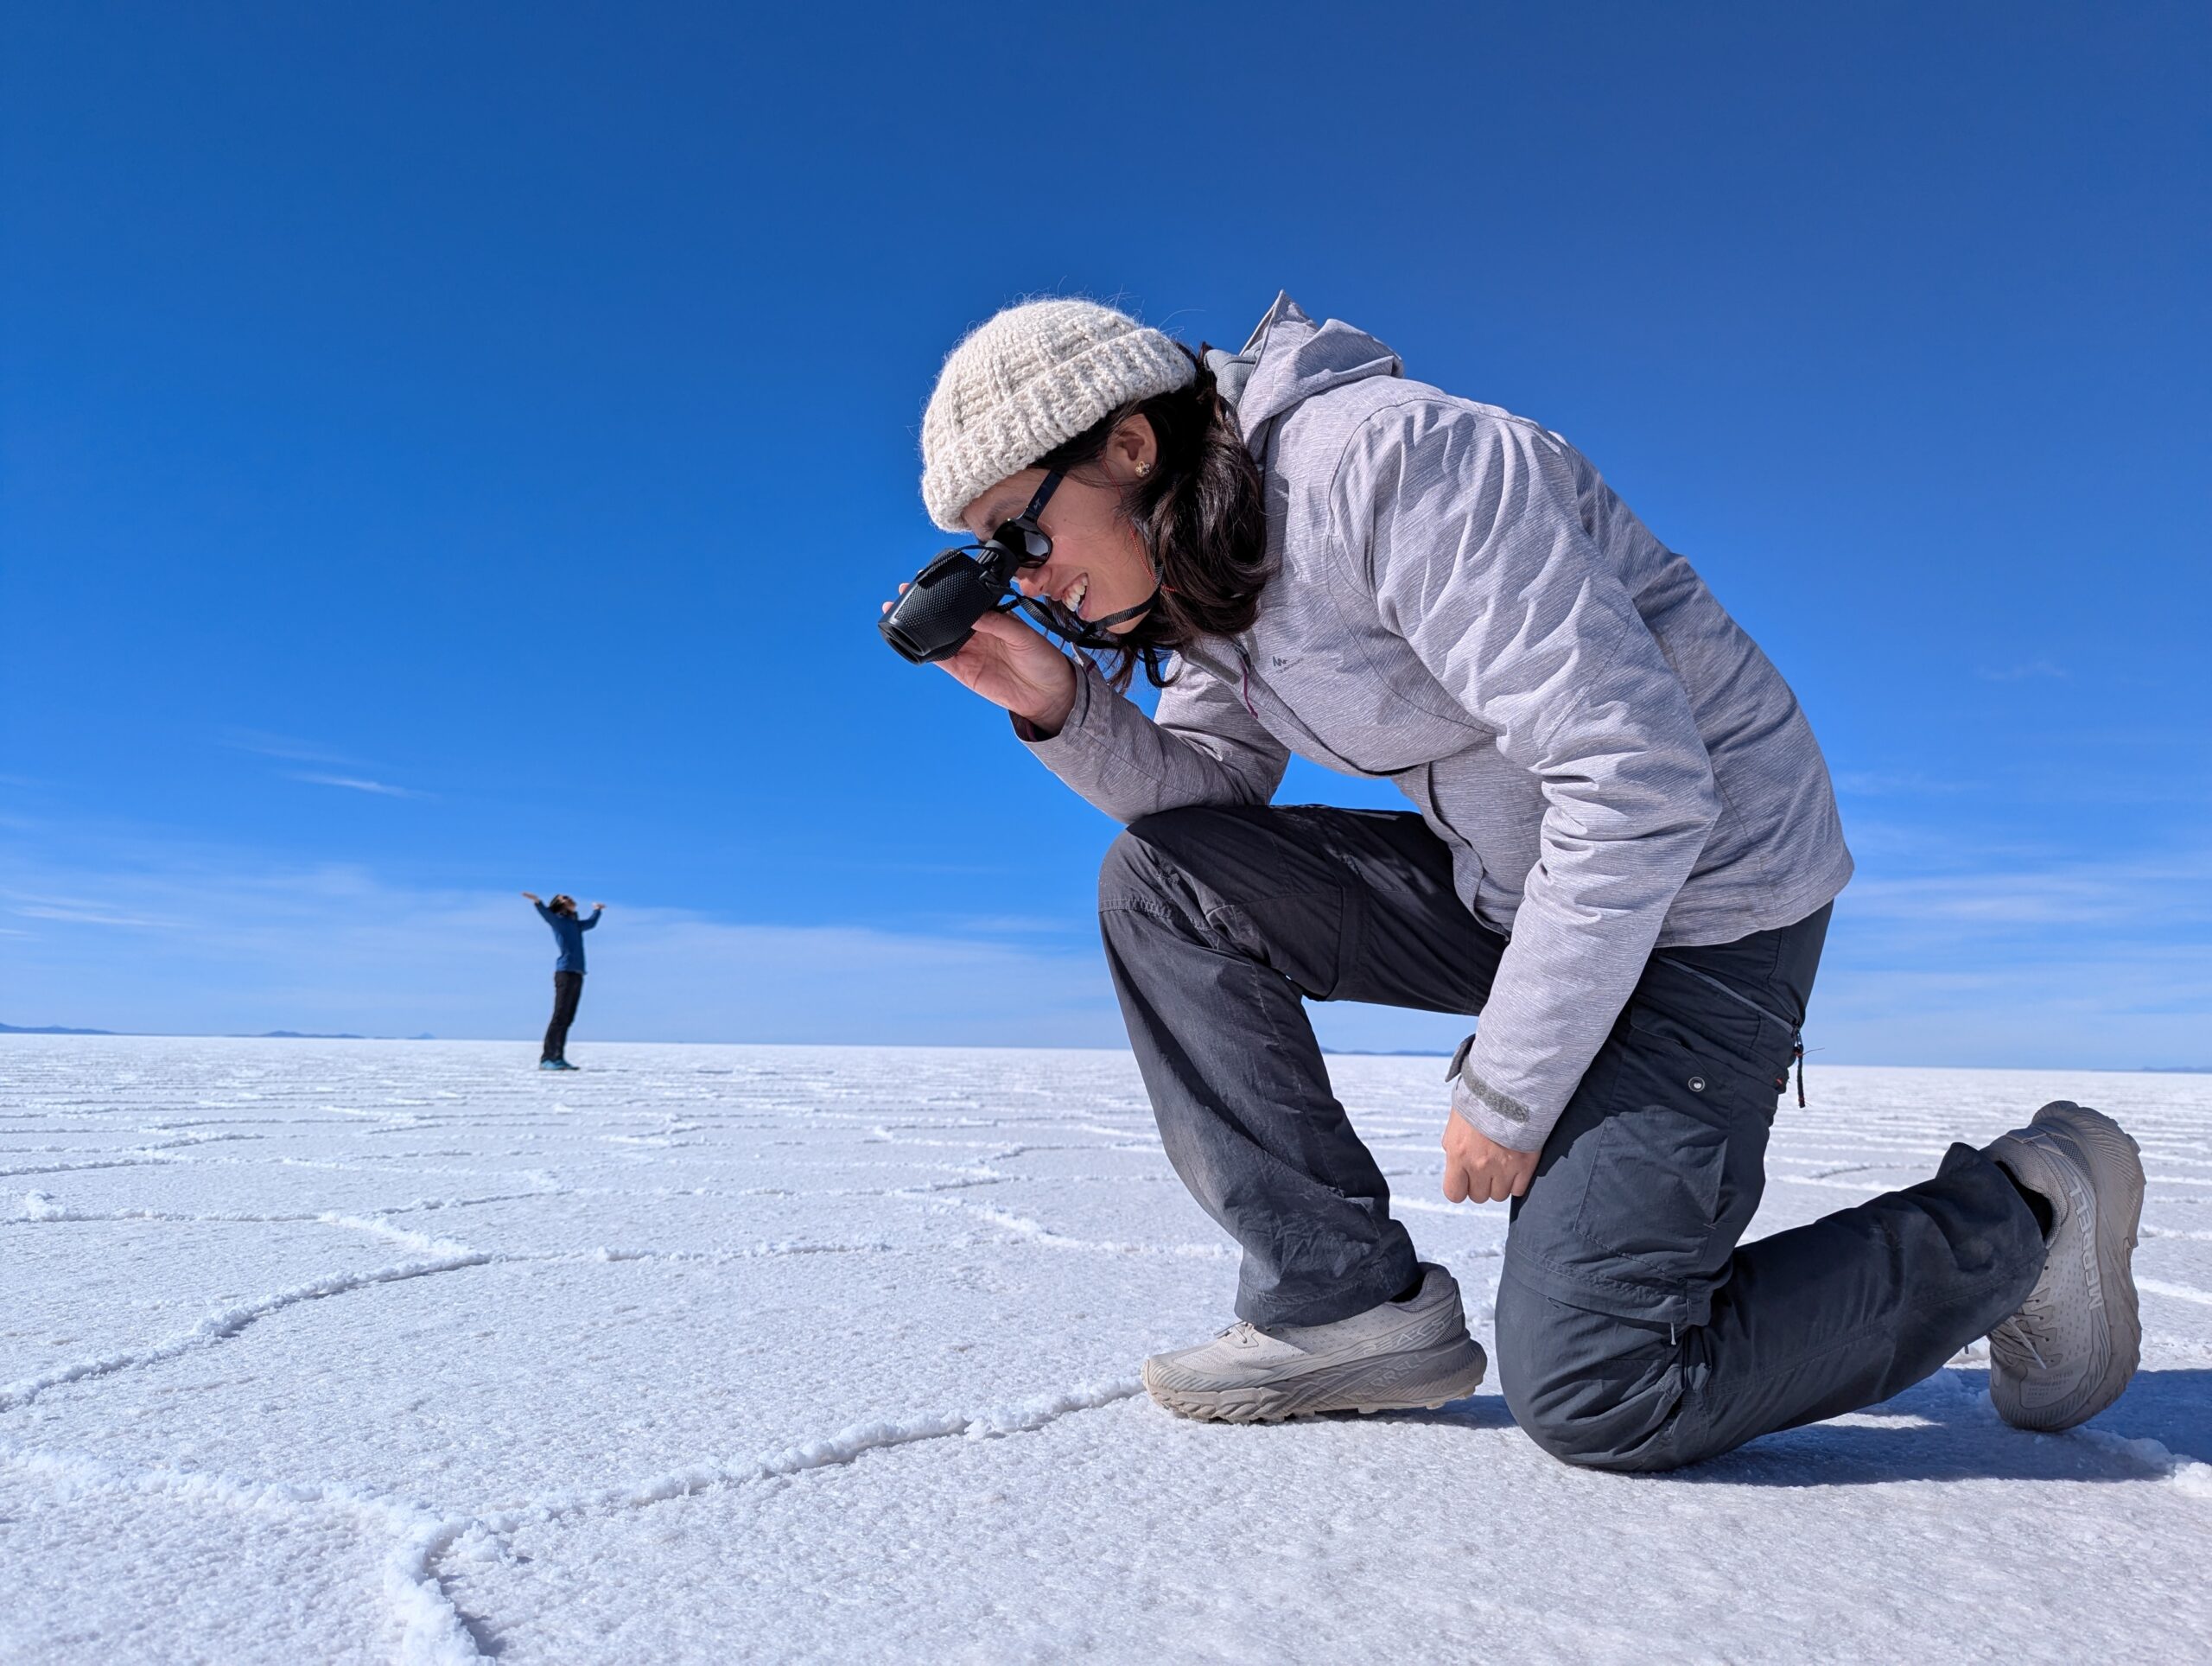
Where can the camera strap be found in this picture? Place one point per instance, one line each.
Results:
(1079, 632)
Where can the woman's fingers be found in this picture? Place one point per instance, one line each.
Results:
(1005, 629)
(1010, 666)
(1017, 645)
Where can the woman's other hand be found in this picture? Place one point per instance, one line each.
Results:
(532, 895)
(1012, 666)
(1477, 1168)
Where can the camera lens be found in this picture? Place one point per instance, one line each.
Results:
(935, 618)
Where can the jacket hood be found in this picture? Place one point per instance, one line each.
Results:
(1290, 359)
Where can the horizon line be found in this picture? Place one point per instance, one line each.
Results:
(63, 1033)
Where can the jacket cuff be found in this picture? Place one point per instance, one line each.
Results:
(1492, 1112)
(1044, 745)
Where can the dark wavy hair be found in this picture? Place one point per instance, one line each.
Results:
(1200, 516)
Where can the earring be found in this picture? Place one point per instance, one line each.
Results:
(1144, 469)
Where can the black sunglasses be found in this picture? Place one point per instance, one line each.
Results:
(1021, 537)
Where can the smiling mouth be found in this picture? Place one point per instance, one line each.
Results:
(1071, 598)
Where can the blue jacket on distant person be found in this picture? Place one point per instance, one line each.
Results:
(569, 931)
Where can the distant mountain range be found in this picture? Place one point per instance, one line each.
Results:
(348, 1035)
(1387, 1052)
(258, 1035)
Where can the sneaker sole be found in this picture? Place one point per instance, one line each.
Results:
(2116, 1182)
(1410, 1382)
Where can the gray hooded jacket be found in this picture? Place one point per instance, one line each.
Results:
(1459, 603)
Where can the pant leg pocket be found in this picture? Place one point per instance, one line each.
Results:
(1715, 1086)
(1681, 1164)
(1656, 1171)
(1648, 1182)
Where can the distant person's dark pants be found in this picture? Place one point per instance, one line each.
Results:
(568, 988)
(1632, 1332)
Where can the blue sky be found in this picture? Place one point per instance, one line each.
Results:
(445, 450)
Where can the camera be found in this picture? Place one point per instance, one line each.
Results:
(935, 618)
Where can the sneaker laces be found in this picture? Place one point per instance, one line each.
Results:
(2016, 1338)
(2015, 1341)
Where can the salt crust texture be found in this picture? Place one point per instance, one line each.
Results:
(337, 1351)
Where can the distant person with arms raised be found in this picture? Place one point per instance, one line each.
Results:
(568, 972)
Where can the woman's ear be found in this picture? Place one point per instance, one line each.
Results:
(1132, 449)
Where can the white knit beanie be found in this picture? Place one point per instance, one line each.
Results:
(1031, 379)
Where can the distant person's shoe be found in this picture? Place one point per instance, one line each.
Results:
(1394, 1356)
(2071, 1349)
(555, 1064)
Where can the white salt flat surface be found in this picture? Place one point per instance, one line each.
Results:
(390, 1350)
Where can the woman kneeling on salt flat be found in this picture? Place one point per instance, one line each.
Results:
(1621, 855)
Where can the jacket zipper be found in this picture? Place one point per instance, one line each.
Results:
(1244, 683)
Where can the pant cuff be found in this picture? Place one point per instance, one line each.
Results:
(1312, 1302)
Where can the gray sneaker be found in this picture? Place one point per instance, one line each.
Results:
(2070, 1350)
(1392, 1357)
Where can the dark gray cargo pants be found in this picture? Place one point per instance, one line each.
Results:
(1632, 1332)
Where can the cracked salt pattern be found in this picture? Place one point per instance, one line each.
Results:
(401, 1352)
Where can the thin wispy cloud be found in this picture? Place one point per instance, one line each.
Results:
(1021, 925)
(357, 784)
(284, 746)
(1879, 783)
(2032, 668)
(2121, 1007)
(2145, 895)
(1955, 952)
(345, 773)
(78, 915)
(1991, 957)
(263, 945)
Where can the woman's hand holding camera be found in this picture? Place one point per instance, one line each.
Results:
(1012, 666)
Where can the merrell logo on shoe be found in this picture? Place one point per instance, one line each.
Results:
(2035, 1393)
